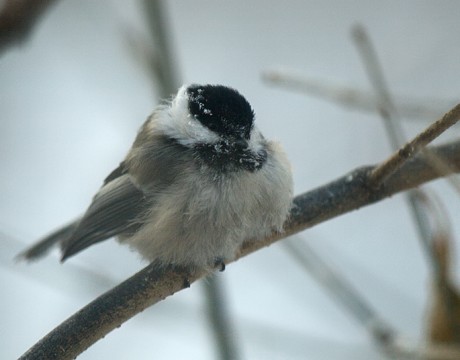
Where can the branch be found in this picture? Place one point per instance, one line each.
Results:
(162, 64)
(18, 18)
(381, 172)
(390, 114)
(220, 319)
(352, 98)
(152, 285)
(340, 289)
(392, 121)
(354, 190)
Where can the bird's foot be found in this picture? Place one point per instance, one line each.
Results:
(220, 264)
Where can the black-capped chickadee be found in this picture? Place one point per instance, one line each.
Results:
(199, 180)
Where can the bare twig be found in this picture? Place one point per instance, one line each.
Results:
(151, 285)
(442, 168)
(386, 105)
(387, 338)
(342, 291)
(163, 63)
(448, 302)
(388, 167)
(141, 49)
(394, 129)
(220, 320)
(390, 114)
(353, 191)
(351, 97)
(18, 18)
(387, 109)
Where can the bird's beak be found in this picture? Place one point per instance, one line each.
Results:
(241, 143)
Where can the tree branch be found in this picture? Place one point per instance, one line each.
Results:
(381, 172)
(352, 98)
(354, 190)
(18, 18)
(151, 285)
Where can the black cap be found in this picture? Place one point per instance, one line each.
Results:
(221, 109)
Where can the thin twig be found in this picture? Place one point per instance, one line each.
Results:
(164, 66)
(386, 105)
(220, 319)
(386, 337)
(418, 199)
(388, 167)
(442, 168)
(390, 113)
(392, 122)
(341, 290)
(150, 285)
(351, 97)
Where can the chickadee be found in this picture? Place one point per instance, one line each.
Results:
(199, 180)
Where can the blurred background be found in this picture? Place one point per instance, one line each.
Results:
(74, 94)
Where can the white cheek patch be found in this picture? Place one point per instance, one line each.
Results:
(256, 141)
(177, 122)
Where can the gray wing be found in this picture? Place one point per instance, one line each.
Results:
(116, 209)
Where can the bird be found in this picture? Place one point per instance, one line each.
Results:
(198, 181)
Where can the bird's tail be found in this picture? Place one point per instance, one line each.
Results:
(43, 246)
